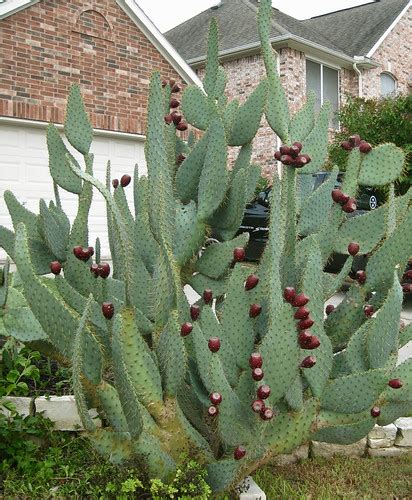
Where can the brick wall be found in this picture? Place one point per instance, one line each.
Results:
(47, 47)
(395, 57)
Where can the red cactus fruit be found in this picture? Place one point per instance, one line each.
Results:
(176, 88)
(251, 281)
(307, 158)
(83, 253)
(55, 267)
(172, 81)
(375, 411)
(353, 248)
(176, 117)
(115, 183)
(125, 180)
(94, 268)
(278, 155)
(395, 383)
(298, 145)
(406, 288)
(257, 374)
(294, 151)
(350, 206)
(286, 159)
(239, 453)
(255, 360)
(182, 126)
(354, 140)
(266, 414)
(215, 398)
(314, 343)
(302, 313)
(368, 310)
(329, 308)
(108, 310)
(284, 149)
(346, 145)
(194, 312)
(365, 147)
(174, 103)
(408, 275)
(255, 310)
(300, 161)
(78, 252)
(361, 277)
(239, 254)
(164, 83)
(308, 362)
(263, 391)
(213, 411)
(300, 300)
(208, 296)
(180, 159)
(185, 329)
(289, 294)
(103, 270)
(169, 119)
(214, 344)
(304, 338)
(304, 324)
(258, 405)
(337, 195)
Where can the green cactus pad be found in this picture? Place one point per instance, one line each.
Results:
(390, 412)
(217, 257)
(345, 434)
(281, 353)
(294, 395)
(248, 116)
(77, 127)
(316, 143)
(55, 235)
(383, 165)
(392, 254)
(315, 209)
(212, 60)
(222, 474)
(404, 373)
(112, 407)
(356, 353)
(318, 375)
(353, 393)
(214, 179)
(58, 164)
(189, 233)
(199, 282)
(197, 108)
(19, 213)
(382, 336)
(302, 123)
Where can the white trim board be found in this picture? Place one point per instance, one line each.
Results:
(96, 131)
(388, 31)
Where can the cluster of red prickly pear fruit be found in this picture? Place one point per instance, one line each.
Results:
(305, 338)
(83, 254)
(255, 363)
(355, 141)
(102, 270)
(263, 391)
(215, 399)
(407, 287)
(55, 267)
(174, 116)
(347, 203)
(124, 181)
(290, 155)
(187, 327)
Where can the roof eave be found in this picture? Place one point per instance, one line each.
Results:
(293, 41)
(8, 9)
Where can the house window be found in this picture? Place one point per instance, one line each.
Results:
(324, 81)
(388, 84)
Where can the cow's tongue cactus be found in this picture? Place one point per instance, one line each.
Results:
(147, 361)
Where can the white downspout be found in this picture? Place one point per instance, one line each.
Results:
(360, 85)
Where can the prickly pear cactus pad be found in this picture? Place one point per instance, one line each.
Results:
(259, 364)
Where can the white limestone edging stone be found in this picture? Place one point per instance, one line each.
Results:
(249, 490)
(404, 437)
(328, 450)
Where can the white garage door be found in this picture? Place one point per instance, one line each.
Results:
(24, 171)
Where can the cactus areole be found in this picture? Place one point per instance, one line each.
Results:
(256, 365)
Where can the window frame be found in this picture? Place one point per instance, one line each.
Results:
(395, 81)
(330, 66)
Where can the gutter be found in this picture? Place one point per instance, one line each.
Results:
(359, 72)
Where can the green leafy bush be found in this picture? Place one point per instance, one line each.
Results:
(377, 121)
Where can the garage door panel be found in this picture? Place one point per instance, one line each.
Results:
(24, 170)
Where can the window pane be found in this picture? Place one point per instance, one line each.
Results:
(331, 91)
(313, 81)
(387, 84)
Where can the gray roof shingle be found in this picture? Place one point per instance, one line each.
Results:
(356, 30)
(349, 32)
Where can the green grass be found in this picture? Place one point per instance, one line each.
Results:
(339, 478)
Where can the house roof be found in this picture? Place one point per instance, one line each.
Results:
(137, 15)
(356, 30)
(345, 33)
